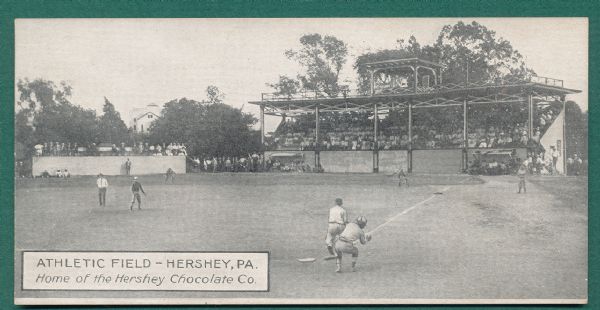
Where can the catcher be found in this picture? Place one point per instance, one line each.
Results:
(345, 242)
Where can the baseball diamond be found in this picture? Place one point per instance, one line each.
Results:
(434, 249)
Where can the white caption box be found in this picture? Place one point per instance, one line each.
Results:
(146, 271)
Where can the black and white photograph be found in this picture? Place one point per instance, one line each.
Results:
(301, 161)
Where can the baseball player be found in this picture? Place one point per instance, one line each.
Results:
(521, 174)
(136, 187)
(338, 218)
(402, 178)
(170, 175)
(345, 242)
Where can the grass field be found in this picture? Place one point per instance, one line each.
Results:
(476, 239)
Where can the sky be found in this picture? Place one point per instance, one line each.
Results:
(135, 62)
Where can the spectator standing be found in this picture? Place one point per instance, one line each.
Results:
(521, 174)
(555, 155)
(102, 184)
(577, 164)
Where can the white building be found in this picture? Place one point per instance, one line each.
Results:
(141, 118)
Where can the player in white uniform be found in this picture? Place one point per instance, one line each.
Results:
(521, 174)
(345, 243)
(338, 218)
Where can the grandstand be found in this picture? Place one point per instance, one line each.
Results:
(411, 119)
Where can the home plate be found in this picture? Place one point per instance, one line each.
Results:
(307, 260)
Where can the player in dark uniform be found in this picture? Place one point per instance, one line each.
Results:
(402, 178)
(170, 175)
(136, 188)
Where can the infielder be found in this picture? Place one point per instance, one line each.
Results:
(402, 178)
(338, 218)
(345, 243)
(136, 187)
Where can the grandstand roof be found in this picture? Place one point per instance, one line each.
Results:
(395, 63)
(501, 91)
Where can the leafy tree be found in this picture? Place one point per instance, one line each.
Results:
(206, 129)
(39, 94)
(45, 114)
(214, 95)
(286, 86)
(475, 46)
(111, 127)
(576, 130)
(462, 48)
(322, 59)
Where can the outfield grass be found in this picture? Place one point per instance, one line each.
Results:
(477, 239)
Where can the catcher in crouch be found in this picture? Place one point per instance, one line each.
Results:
(345, 242)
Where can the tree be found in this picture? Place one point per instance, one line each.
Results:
(45, 114)
(214, 95)
(576, 130)
(477, 48)
(322, 59)
(206, 129)
(286, 86)
(111, 127)
(461, 48)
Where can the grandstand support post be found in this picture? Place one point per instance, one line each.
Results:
(317, 142)
(465, 136)
(262, 125)
(409, 153)
(416, 70)
(375, 139)
(529, 116)
(372, 82)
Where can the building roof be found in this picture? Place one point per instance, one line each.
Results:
(396, 63)
(507, 91)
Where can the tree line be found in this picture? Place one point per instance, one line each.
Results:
(44, 113)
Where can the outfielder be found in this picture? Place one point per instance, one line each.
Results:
(338, 218)
(345, 243)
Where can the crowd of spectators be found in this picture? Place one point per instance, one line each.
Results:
(424, 137)
(251, 163)
(504, 126)
(107, 149)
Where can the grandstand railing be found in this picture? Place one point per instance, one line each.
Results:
(383, 90)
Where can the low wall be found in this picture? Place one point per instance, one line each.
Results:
(108, 165)
(521, 152)
(308, 156)
(392, 161)
(437, 161)
(347, 161)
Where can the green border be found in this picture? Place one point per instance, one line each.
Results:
(10, 9)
